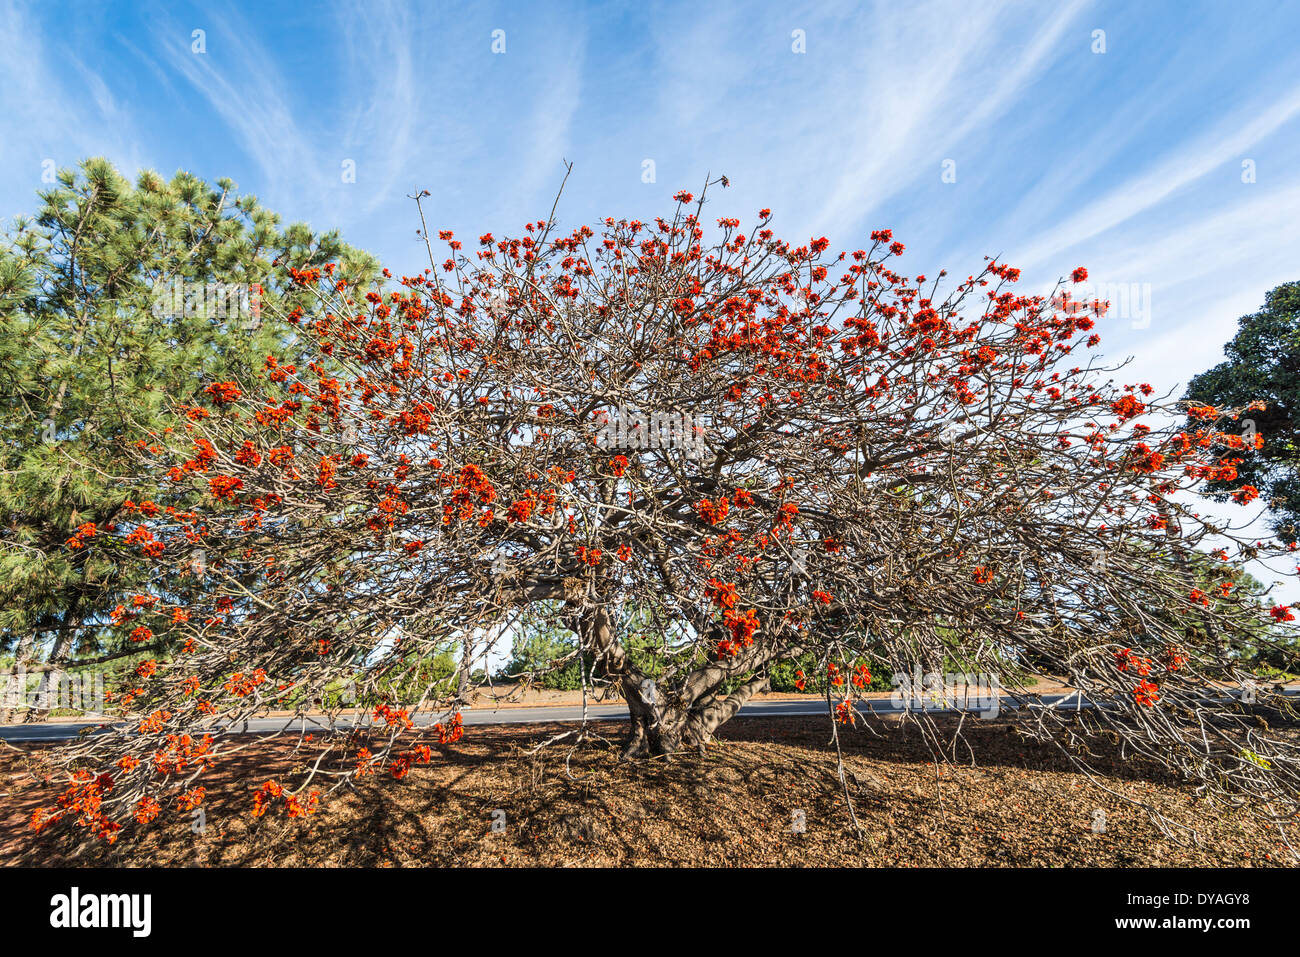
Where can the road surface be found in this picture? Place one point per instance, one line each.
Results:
(487, 715)
(37, 732)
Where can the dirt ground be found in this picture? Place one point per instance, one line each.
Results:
(765, 794)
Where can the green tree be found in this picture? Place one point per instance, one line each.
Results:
(115, 298)
(1263, 362)
(546, 654)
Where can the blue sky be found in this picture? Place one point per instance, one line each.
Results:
(1129, 161)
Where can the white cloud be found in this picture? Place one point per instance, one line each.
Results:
(238, 79)
(49, 115)
(1229, 140)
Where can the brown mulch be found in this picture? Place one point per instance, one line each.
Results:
(737, 805)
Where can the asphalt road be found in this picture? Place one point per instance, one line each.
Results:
(480, 716)
(567, 714)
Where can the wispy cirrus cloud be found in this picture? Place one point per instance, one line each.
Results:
(52, 116)
(387, 106)
(911, 116)
(237, 77)
(1180, 165)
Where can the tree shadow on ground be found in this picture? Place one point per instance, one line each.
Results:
(766, 792)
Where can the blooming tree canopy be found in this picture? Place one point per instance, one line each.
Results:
(798, 453)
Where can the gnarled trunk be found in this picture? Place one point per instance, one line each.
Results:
(662, 723)
(662, 728)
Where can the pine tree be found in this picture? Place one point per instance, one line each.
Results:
(113, 298)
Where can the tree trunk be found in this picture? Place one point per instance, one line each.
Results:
(47, 693)
(15, 681)
(14, 703)
(663, 728)
(660, 725)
